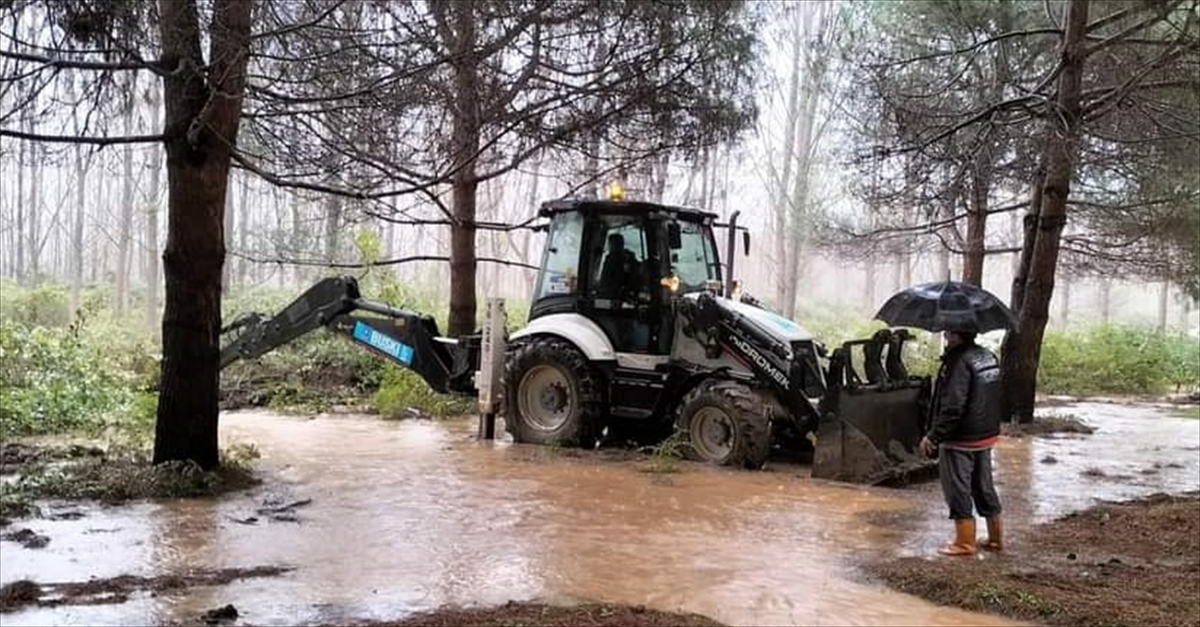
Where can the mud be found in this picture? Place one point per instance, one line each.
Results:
(16, 456)
(1126, 563)
(513, 614)
(20, 593)
(1048, 424)
(27, 538)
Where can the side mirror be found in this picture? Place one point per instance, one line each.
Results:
(746, 242)
(674, 236)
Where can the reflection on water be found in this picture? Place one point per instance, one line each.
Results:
(408, 516)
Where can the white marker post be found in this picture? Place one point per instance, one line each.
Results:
(491, 365)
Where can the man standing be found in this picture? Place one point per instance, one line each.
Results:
(966, 412)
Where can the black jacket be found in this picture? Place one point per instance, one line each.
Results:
(967, 403)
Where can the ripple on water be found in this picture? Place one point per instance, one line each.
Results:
(408, 516)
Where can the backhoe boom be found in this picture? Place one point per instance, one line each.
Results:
(405, 337)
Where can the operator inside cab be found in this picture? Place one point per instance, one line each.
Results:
(618, 274)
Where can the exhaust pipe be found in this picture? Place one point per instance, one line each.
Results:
(731, 252)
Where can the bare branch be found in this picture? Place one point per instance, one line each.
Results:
(383, 262)
(1133, 28)
(69, 64)
(292, 28)
(1114, 96)
(971, 48)
(75, 139)
(478, 225)
(890, 232)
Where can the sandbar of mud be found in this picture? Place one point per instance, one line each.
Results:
(1127, 563)
(541, 615)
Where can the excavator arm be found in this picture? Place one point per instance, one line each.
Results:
(404, 337)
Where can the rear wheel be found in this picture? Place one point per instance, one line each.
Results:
(552, 394)
(724, 423)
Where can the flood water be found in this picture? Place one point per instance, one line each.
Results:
(408, 516)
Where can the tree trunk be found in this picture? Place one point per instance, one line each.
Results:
(228, 228)
(333, 226)
(19, 249)
(660, 172)
(782, 200)
(466, 137)
(200, 127)
(1105, 300)
(528, 274)
(1064, 310)
(244, 226)
(125, 228)
(810, 89)
(81, 172)
(1029, 237)
(1009, 364)
(153, 252)
(33, 246)
(1164, 302)
(295, 240)
(1017, 233)
(977, 221)
(97, 263)
(1059, 155)
(869, 282)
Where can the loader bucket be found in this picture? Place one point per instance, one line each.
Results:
(871, 433)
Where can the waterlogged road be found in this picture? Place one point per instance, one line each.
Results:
(409, 516)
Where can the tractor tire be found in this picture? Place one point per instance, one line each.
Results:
(723, 422)
(552, 395)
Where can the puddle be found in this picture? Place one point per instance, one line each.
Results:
(409, 516)
(1135, 451)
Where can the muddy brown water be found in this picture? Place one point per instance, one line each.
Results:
(409, 516)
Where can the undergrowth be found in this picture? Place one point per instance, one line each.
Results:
(122, 472)
(1111, 359)
(95, 371)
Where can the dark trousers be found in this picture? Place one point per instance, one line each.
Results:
(966, 478)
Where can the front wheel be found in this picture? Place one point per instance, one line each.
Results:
(723, 422)
(552, 394)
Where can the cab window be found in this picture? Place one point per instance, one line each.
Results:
(695, 262)
(618, 257)
(558, 276)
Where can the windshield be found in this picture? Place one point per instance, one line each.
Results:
(696, 261)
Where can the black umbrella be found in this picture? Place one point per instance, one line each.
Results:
(947, 306)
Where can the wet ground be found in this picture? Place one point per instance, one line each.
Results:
(1135, 562)
(378, 520)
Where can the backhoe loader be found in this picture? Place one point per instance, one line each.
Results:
(637, 332)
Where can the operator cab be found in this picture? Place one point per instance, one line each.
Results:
(620, 263)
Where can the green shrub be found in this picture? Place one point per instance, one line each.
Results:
(52, 381)
(401, 390)
(1111, 359)
(46, 305)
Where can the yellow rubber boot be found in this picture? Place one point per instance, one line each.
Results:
(964, 539)
(995, 539)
